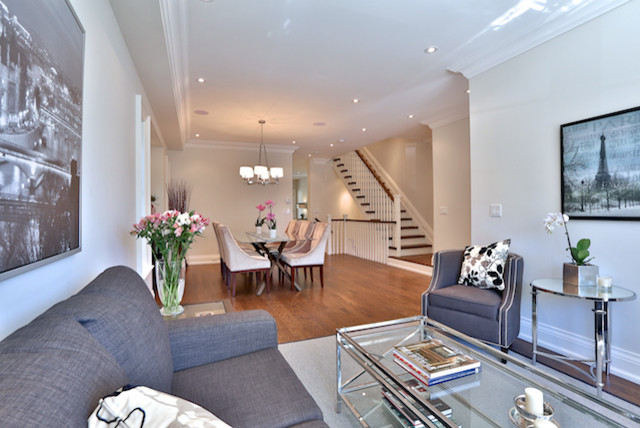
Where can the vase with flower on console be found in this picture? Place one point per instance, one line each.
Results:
(170, 278)
(580, 275)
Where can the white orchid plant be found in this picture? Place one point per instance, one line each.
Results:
(580, 253)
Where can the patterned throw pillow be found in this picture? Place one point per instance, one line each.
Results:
(483, 267)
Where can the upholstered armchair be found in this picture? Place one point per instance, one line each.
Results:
(487, 314)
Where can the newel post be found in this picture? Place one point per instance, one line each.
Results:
(330, 239)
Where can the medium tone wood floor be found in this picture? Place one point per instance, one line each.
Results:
(356, 292)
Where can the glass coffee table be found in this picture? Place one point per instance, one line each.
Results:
(485, 399)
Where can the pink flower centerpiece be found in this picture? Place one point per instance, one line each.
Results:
(170, 235)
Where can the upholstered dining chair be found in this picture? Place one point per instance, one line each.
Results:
(310, 255)
(221, 249)
(487, 314)
(239, 261)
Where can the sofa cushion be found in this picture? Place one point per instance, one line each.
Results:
(476, 301)
(253, 390)
(53, 373)
(483, 266)
(118, 309)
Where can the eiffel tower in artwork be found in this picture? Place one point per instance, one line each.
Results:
(603, 179)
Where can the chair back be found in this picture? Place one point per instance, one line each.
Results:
(216, 225)
(291, 226)
(236, 258)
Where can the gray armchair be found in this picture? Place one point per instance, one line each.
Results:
(489, 315)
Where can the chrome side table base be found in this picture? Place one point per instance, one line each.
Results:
(602, 323)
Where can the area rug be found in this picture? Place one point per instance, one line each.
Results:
(314, 362)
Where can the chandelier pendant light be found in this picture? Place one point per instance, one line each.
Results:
(261, 173)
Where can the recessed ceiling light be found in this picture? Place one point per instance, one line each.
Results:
(431, 49)
(197, 135)
(355, 101)
(410, 116)
(293, 142)
(331, 145)
(201, 112)
(201, 80)
(364, 129)
(309, 154)
(468, 91)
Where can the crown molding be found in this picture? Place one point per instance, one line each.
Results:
(240, 146)
(174, 22)
(479, 57)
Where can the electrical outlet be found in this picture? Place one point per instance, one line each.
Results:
(444, 210)
(495, 210)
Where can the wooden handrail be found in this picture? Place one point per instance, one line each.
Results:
(364, 221)
(375, 174)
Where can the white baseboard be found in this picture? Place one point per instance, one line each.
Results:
(624, 364)
(413, 267)
(205, 259)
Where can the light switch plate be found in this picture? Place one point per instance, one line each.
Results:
(495, 210)
(444, 210)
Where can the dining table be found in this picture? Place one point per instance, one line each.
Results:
(272, 247)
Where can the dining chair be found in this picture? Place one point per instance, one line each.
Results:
(221, 249)
(310, 255)
(239, 261)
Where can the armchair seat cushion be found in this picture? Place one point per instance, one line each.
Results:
(481, 302)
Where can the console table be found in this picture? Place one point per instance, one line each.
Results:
(601, 298)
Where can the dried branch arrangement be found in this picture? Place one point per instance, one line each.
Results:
(179, 194)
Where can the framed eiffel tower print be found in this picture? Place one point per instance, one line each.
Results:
(600, 160)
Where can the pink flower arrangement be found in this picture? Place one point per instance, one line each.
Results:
(270, 219)
(171, 233)
(260, 221)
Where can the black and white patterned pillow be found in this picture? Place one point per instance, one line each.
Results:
(483, 266)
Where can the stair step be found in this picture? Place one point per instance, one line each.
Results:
(340, 164)
(408, 227)
(336, 159)
(355, 190)
(347, 176)
(406, 219)
(351, 183)
(411, 247)
(408, 237)
(344, 170)
(370, 212)
(360, 197)
(365, 204)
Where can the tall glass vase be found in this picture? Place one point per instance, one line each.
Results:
(170, 276)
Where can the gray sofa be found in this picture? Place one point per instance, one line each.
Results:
(54, 370)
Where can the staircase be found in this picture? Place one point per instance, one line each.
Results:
(378, 201)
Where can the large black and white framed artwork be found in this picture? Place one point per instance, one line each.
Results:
(601, 167)
(41, 77)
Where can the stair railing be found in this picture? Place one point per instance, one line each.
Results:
(366, 239)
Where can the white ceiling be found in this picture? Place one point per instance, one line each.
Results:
(299, 64)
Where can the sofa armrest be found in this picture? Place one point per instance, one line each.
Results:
(198, 341)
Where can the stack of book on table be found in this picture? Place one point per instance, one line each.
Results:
(407, 417)
(433, 362)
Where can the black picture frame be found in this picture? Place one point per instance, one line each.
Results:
(41, 90)
(600, 167)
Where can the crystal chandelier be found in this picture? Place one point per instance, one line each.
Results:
(261, 173)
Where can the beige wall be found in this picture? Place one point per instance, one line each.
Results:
(452, 186)
(410, 163)
(328, 194)
(517, 109)
(159, 177)
(218, 191)
(108, 182)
